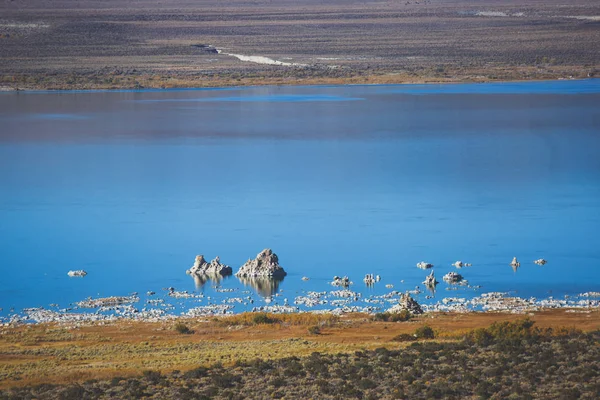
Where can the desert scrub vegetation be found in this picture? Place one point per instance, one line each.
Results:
(182, 328)
(402, 316)
(509, 360)
(300, 319)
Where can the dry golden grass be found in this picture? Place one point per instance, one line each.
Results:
(49, 353)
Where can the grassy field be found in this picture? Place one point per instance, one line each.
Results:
(37, 354)
(86, 44)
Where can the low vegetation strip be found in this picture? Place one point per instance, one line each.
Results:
(508, 360)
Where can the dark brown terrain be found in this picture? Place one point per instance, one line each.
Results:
(113, 44)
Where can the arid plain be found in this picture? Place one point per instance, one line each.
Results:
(113, 44)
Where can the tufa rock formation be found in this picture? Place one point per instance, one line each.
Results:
(430, 280)
(201, 267)
(453, 277)
(266, 264)
(406, 303)
(424, 265)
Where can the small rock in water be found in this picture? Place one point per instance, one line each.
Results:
(305, 278)
(515, 263)
(78, 273)
(540, 261)
(343, 282)
(430, 280)
(453, 277)
(370, 279)
(424, 265)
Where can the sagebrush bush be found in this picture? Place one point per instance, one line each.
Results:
(182, 328)
(424, 332)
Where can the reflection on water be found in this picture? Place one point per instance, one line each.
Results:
(201, 279)
(266, 287)
(431, 288)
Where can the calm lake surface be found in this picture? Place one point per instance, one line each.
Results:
(337, 180)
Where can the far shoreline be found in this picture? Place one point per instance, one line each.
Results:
(176, 83)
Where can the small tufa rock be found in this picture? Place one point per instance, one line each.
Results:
(406, 303)
(77, 273)
(201, 267)
(424, 265)
(514, 263)
(266, 264)
(460, 264)
(342, 282)
(453, 277)
(370, 279)
(540, 261)
(430, 280)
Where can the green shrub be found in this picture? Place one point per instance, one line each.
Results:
(424, 332)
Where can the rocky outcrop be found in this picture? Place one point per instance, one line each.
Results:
(201, 267)
(453, 277)
(406, 303)
(266, 264)
(424, 265)
(430, 280)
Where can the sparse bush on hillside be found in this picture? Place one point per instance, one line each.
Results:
(182, 328)
(402, 316)
(424, 332)
(404, 337)
(263, 318)
(314, 330)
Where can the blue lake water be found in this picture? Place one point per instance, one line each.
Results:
(337, 180)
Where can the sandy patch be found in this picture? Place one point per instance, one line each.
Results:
(585, 17)
(261, 60)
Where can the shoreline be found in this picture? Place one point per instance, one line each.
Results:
(176, 82)
(125, 308)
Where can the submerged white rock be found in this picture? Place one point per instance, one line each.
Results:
(77, 273)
